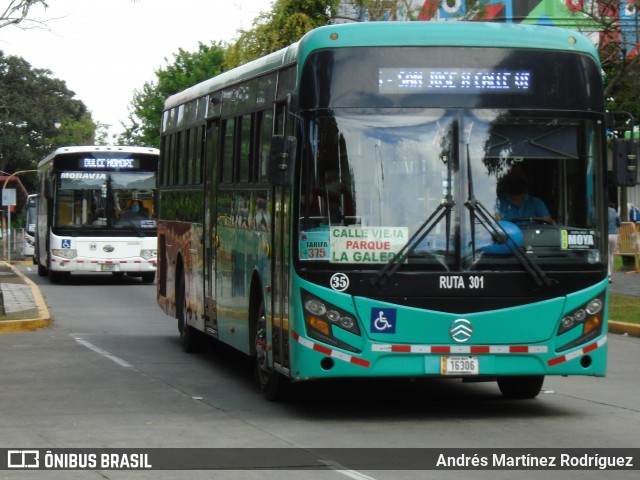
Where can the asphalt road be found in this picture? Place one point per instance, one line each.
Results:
(109, 373)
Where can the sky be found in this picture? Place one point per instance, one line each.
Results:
(106, 49)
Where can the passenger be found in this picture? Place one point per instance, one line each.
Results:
(634, 213)
(614, 224)
(136, 210)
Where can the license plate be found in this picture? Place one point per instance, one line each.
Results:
(459, 366)
(108, 267)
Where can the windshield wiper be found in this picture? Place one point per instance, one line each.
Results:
(130, 222)
(498, 233)
(444, 209)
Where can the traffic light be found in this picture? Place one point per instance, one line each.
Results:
(625, 162)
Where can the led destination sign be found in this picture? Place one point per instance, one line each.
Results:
(453, 80)
(103, 163)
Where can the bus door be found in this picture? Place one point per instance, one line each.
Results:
(210, 235)
(281, 216)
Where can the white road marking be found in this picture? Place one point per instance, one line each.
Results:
(344, 471)
(102, 352)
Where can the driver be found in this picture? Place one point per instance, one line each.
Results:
(516, 203)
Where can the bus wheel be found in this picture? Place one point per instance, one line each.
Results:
(57, 277)
(274, 386)
(42, 271)
(148, 277)
(191, 340)
(521, 387)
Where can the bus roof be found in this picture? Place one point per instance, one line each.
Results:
(418, 33)
(98, 148)
(455, 34)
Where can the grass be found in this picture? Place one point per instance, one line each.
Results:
(623, 308)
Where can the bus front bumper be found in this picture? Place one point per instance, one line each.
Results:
(135, 264)
(313, 360)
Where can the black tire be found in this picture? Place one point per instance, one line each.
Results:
(148, 277)
(191, 340)
(57, 277)
(42, 271)
(274, 386)
(522, 387)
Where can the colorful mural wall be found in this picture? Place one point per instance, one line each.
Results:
(559, 13)
(562, 13)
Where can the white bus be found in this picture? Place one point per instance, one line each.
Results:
(29, 216)
(97, 212)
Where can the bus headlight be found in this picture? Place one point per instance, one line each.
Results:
(68, 253)
(147, 254)
(589, 317)
(321, 318)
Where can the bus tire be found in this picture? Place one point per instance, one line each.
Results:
(57, 277)
(148, 277)
(42, 271)
(274, 386)
(520, 387)
(191, 340)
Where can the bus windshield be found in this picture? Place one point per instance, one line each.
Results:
(374, 180)
(106, 200)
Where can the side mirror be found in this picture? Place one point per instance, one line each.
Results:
(48, 187)
(282, 158)
(625, 162)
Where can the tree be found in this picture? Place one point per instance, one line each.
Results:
(286, 23)
(187, 69)
(378, 10)
(32, 102)
(17, 11)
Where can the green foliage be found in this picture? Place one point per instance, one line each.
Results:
(378, 10)
(187, 69)
(623, 308)
(31, 102)
(287, 22)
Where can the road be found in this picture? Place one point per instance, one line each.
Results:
(109, 373)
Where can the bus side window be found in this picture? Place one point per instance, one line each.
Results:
(266, 131)
(228, 150)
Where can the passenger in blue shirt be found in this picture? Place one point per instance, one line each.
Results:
(614, 224)
(516, 203)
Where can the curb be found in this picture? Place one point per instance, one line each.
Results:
(632, 329)
(44, 317)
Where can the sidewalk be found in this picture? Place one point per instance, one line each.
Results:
(22, 298)
(625, 283)
(22, 302)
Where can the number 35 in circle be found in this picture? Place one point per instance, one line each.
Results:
(339, 282)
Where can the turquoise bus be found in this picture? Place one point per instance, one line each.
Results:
(393, 199)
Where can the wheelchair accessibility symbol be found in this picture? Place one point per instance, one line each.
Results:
(66, 243)
(383, 320)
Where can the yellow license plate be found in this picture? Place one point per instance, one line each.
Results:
(459, 365)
